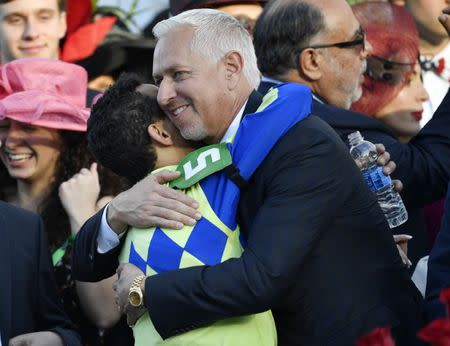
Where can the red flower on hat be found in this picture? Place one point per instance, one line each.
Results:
(84, 41)
(377, 337)
(79, 13)
(83, 35)
(444, 296)
(437, 333)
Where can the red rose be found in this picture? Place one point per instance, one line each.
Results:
(377, 337)
(437, 333)
(444, 297)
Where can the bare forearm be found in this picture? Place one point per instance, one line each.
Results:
(37, 339)
(77, 222)
(97, 301)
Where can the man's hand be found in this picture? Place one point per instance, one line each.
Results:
(133, 314)
(126, 275)
(444, 18)
(401, 240)
(37, 339)
(149, 203)
(384, 159)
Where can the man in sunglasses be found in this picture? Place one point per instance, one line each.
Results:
(322, 45)
(330, 54)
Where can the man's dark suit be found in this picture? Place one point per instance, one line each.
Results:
(319, 254)
(28, 295)
(438, 276)
(423, 164)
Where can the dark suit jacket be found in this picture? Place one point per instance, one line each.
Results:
(423, 164)
(28, 295)
(319, 254)
(439, 268)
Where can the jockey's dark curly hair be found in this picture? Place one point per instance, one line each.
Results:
(117, 129)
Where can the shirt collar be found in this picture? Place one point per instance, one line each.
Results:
(232, 129)
(318, 99)
(270, 80)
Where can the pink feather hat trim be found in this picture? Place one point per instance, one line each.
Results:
(44, 92)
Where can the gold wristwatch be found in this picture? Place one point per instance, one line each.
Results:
(136, 296)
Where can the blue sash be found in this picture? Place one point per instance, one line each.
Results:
(283, 107)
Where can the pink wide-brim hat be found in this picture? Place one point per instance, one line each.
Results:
(44, 92)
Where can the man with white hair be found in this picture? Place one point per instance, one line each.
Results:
(311, 255)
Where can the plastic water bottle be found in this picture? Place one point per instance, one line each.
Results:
(365, 154)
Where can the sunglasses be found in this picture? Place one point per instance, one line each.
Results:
(360, 40)
(388, 71)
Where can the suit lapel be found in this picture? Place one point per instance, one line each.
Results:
(5, 274)
(264, 87)
(254, 101)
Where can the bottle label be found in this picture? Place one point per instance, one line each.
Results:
(375, 178)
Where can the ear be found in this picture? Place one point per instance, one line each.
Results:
(159, 134)
(234, 65)
(62, 24)
(309, 64)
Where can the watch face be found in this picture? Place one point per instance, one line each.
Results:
(135, 298)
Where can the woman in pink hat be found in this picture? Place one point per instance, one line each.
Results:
(47, 167)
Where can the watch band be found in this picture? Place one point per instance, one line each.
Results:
(136, 295)
(138, 281)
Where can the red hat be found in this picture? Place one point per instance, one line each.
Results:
(390, 29)
(393, 35)
(178, 6)
(44, 92)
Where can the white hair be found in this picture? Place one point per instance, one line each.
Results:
(215, 34)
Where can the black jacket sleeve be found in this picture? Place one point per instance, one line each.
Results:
(51, 313)
(87, 264)
(438, 276)
(305, 184)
